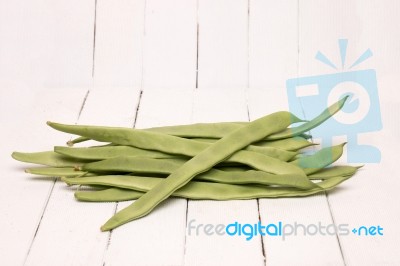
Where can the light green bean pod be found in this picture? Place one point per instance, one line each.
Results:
(340, 170)
(219, 151)
(107, 152)
(193, 190)
(219, 130)
(319, 160)
(145, 166)
(49, 158)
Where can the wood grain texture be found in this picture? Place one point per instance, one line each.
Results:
(170, 44)
(119, 43)
(73, 224)
(201, 249)
(23, 114)
(223, 44)
(369, 198)
(273, 43)
(309, 210)
(46, 44)
(238, 54)
(158, 238)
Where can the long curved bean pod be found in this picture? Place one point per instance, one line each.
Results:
(193, 190)
(340, 170)
(325, 115)
(289, 144)
(107, 152)
(252, 159)
(219, 130)
(55, 171)
(108, 195)
(137, 165)
(49, 158)
(177, 145)
(213, 130)
(219, 151)
(320, 159)
(71, 143)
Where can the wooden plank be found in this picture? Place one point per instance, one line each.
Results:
(23, 114)
(170, 44)
(46, 43)
(360, 201)
(69, 232)
(158, 238)
(119, 43)
(309, 210)
(201, 249)
(273, 43)
(223, 44)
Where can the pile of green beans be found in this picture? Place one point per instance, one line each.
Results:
(264, 158)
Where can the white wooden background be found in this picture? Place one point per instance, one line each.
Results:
(149, 63)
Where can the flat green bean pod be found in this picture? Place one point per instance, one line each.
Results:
(107, 152)
(177, 145)
(252, 159)
(340, 170)
(49, 158)
(77, 140)
(289, 144)
(137, 165)
(58, 172)
(219, 130)
(214, 154)
(319, 160)
(206, 131)
(155, 141)
(193, 190)
(55, 171)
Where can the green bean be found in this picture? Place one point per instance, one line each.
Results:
(289, 144)
(77, 140)
(320, 159)
(155, 141)
(340, 170)
(193, 190)
(279, 153)
(171, 144)
(199, 130)
(55, 172)
(48, 158)
(325, 115)
(108, 195)
(252, 159)
(219, 130)
(138, 165)
(214, 154)
(234, 176)
(107, 152)
(304, 136)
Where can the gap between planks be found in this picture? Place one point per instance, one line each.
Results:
(52, 188)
